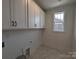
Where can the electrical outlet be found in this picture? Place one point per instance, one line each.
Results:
(30, 41)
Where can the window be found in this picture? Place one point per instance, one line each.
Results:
(59, 22)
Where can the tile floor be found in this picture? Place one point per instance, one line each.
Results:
(48, 53)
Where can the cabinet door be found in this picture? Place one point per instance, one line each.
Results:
(19, 12)
(42, 18)
(18, 15)
(30, 14)
(37, 16)
(5, 15)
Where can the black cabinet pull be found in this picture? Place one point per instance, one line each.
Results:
(12, 23)
(15, 23)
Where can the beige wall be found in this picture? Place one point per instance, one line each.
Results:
(60, 40)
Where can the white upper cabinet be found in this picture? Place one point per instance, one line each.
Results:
(36, 16)
(42, 18)
(18, 15)
(5, 14)
(14, 15)
(22, 14)
(31, 14)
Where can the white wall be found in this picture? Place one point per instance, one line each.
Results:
(16, 40)
(64, 40)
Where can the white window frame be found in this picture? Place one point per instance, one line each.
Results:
(59, 21)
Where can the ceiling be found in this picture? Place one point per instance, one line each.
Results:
(47, 4)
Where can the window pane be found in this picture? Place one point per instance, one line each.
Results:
(59, 22)
(58, 27)
(56, 16)
(59, 16)
(62, 16)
